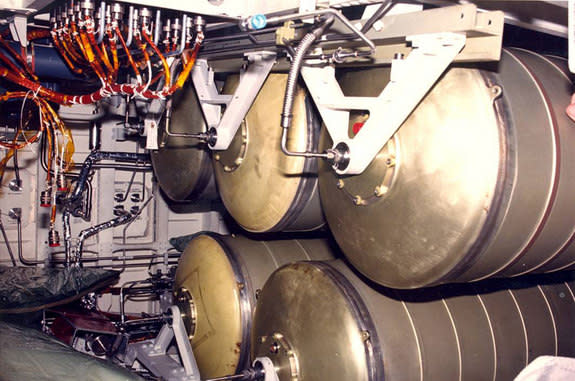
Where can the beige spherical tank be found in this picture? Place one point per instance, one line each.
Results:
(476, 183)
(319, 321)
(183, 165)
(263, 189)
(217, 282)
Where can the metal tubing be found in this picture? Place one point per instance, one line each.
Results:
(286, 116)
(182, 39)
(328, 155)
(102, 27)
(301, 50)
(122, 308)
(24, 261)
(381, 11)
(89, 162)
(157, 27)
(130, 25)
(67, 236)
(86, 233)
(320, 12)
(7, 243)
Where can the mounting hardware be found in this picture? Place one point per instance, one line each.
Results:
(153, 353)
(53, 238)
(411, 78)
(45, 198)
(19, 29)
(15, 185)
(222, 128)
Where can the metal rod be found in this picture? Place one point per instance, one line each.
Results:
(157, 27)
(125, 196)
(7, 242)
(102, 27)
(182, 38)
(320, 12)
(379, 13)
(122, 307)
(119, 258)
(130, 25)
(320, 155)
(93, 230)
(67, 237)
(230, 377)
(93, 157)
(24, 261)
(144, 205)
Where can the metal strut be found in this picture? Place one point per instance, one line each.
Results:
(222, 128)
(153, 353)
(411, 78)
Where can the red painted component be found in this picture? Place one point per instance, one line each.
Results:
(357, 127)
(71, 319)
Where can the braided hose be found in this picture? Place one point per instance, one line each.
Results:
(297, 62)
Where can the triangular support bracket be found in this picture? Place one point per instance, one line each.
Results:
(411, 78)
(153, 355)
(222, 128)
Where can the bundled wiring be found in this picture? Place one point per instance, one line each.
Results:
(60, 146)
(123, 57)
(74, 36)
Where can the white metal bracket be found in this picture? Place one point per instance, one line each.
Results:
(411, 78)
(268, 367)
(153, 353)
(238, 104)
(19, 29)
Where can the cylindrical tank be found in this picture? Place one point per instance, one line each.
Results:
(183, 165)
(217, 282)
(319, 321)
(263, 189)
(476, 183)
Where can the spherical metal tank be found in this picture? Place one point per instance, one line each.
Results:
(263, 189)
(217, 282)
(476, 183)
(183, 165)
(319, 321)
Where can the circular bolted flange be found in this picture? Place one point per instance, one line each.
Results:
(366, 194)
(282, 357)
(185, 302)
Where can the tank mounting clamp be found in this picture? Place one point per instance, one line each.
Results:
(238, 104)
(411, 78)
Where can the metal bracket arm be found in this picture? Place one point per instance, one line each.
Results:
(251, 80)
(411, 79)
(152, 353)
(19, 28)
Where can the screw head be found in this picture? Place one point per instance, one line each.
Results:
(380, 190)
(275, 348)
